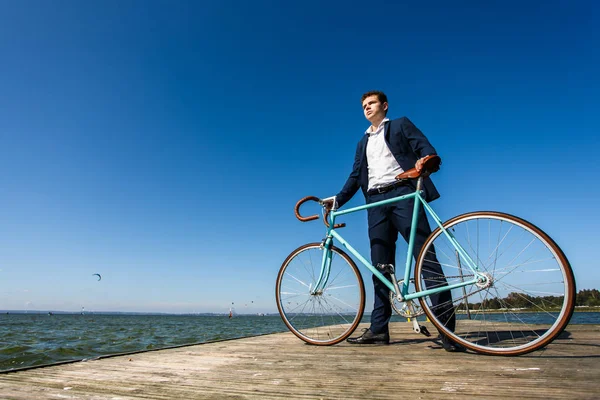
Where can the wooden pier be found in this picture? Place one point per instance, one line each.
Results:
(280, 366)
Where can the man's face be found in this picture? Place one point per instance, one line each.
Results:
(374, 110)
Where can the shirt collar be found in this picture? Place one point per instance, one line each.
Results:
(368, 131)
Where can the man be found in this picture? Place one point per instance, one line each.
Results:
(387, 149)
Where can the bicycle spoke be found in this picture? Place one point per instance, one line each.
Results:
(326, 314)
(527, 296)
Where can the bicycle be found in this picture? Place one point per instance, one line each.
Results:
(512, 287)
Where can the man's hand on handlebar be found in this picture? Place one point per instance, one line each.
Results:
(329, 203)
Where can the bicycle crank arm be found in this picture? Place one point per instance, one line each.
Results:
(422, 329)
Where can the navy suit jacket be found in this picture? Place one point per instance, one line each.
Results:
(406, 142)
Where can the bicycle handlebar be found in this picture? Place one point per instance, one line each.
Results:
(430, 165)
(316, 216)
(302, 201)
(336, 226)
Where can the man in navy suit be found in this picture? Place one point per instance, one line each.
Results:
(388, 148)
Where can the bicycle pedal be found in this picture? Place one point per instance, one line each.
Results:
(424, 331)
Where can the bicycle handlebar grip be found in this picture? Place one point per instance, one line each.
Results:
(326, 217)
(297, 209)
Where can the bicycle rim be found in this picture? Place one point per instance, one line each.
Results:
(326, 316)
(530, 296)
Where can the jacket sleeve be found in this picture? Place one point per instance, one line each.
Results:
(352, 184)
(418, 142)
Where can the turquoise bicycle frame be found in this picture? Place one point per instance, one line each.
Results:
(403, 295)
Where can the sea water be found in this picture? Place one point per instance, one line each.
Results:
(37, 339)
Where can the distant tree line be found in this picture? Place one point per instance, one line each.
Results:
(588, 297)
(585, 297)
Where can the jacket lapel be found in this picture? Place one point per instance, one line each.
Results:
(386, 133)
(363, 152)
(395, 152)
(363, 160)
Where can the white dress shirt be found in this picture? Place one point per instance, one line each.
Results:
(382, 165)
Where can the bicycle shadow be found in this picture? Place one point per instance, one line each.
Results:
(485, 338)
(564, 339)
(411, 341)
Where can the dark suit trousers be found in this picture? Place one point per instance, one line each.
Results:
(384, 224)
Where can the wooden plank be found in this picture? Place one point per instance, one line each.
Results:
(282, 366)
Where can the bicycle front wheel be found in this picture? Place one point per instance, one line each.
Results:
(325, 315)
(528, 294)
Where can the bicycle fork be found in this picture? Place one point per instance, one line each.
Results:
(325, 267)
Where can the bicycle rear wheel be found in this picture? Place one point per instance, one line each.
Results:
(529, 296)
(332, 313)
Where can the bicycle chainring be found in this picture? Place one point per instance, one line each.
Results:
(401, 307)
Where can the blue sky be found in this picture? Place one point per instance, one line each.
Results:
(164, 144)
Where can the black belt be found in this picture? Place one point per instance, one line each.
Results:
(387, 188)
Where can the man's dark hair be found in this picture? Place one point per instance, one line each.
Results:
(380, 96)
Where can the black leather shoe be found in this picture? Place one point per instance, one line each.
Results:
(369, 337)
(450, 346)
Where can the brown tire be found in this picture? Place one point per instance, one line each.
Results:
(525, 298)
(331, 313)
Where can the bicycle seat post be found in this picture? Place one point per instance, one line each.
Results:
(419, 183)
(389, 269)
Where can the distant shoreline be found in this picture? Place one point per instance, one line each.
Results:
(53, 312)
